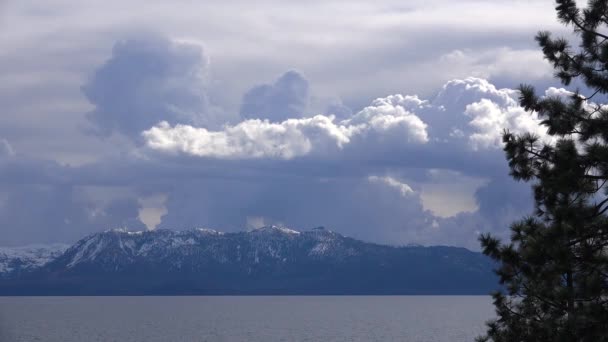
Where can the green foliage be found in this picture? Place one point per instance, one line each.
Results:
(554, 271)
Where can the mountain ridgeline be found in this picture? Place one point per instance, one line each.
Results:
(269, 260)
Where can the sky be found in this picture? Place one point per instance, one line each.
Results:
(379, 120)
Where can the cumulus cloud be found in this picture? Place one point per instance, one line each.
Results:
(489, 120)
(366, 175)
(310, 171)
(475, 110)
(446, 112)
(286, 98)
(393, 115)
(251, 138)
(386, 119)
(300, 175)
(146, 80)
(472, 111)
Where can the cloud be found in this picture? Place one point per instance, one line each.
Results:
(447, 193)
(393, 115)
(51, 213)
(471, 111)
(6, 150)
(385, 120)
(365, 176)
(351, 206)
(42, 201)
(497, 63)
(402, 188)
(489, 120)
(367, 51)
(286, 98)
(251, 138)
(391, 165)
(475, 110)
(401, 150)
(215, 164)
(338, 109)
(148, 79)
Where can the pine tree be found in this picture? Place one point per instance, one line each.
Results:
(554, 270)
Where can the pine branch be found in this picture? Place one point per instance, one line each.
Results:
(584, 29)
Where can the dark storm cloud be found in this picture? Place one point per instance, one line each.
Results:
(146, 80)
(352, 206)
(286, 98)
(47, 213)
(42, 201)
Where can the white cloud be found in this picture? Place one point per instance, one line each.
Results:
(385, 121)
(251, 138)
(566, 95)
(471, 111)
(392, 114)
(489, 119)
(457, 93)
(404, 189)
(500, 111)
(475, 110)
(558, 92)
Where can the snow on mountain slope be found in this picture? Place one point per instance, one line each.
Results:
(118, 248)
(267, 260)
(15, 259)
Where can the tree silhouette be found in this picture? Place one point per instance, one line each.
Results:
(555, 268)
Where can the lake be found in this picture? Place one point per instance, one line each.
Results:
(258, 318)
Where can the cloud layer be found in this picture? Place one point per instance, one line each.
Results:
(381, 174)
(229, 125)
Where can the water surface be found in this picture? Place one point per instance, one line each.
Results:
(263, 319)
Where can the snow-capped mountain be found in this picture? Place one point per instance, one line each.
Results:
(118, 249)
(272, 260)
(15, 260)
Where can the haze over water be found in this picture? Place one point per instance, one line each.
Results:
(262, 318)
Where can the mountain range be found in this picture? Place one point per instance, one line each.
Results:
(268, 260)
